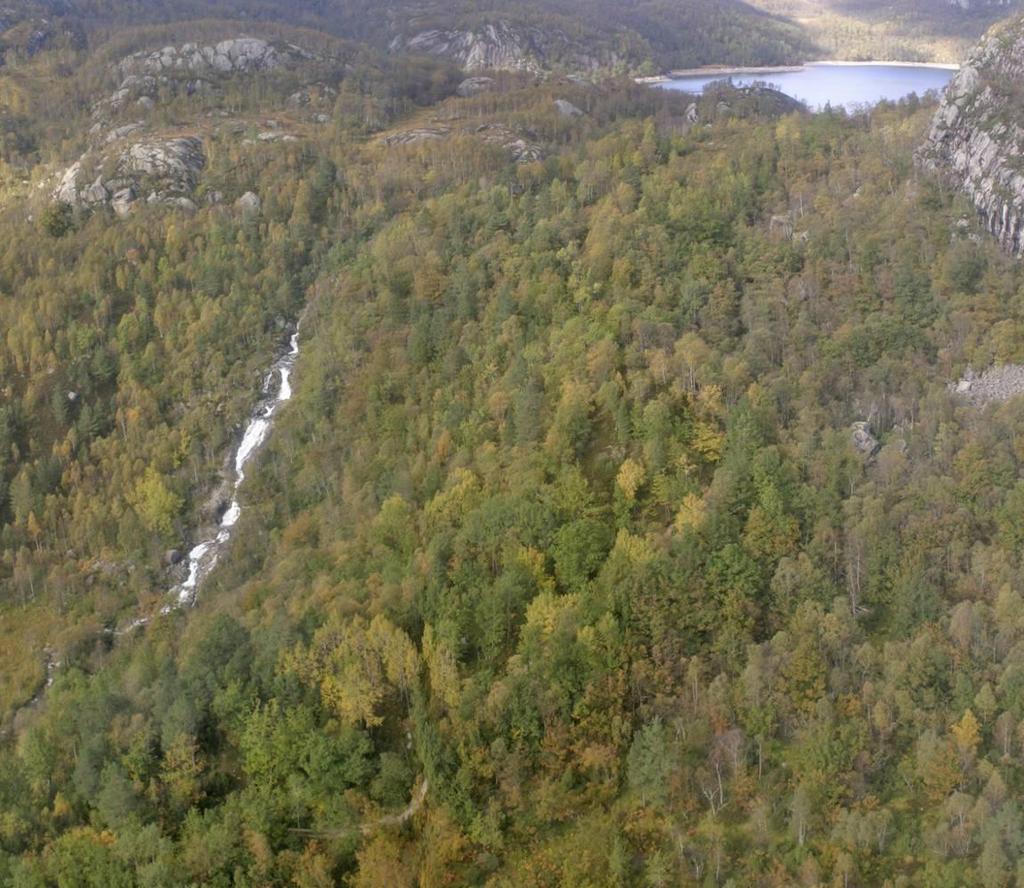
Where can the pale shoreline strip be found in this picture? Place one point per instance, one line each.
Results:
(723, 71)
(941, 66)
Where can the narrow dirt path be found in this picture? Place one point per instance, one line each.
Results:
(366, 829)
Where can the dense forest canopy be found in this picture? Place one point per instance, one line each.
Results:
(623, 528)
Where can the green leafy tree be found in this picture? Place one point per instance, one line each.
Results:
(157, 506)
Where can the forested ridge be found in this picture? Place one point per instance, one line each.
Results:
(647, 615)
(132, 350)
(626, 36)
(561, 567)
(640, 36)
(909, 30)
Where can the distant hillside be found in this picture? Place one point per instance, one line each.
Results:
(654, 34)
(640, 36)
(911, 30)
(549, 34)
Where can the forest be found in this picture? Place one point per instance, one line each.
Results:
(641, 36)
(908, 30)
(650, 34)
(561, 568)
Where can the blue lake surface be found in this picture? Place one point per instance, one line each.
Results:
(849, 86)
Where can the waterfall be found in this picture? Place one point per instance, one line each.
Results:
(276, 390)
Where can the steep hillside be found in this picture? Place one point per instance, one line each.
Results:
(976, 140)
(643, 507)
(910, 30)
(225, 144)
(622, 529)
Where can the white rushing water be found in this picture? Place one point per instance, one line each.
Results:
(203, 556)
(276, 390)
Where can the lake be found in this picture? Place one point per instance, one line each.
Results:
(839, 84)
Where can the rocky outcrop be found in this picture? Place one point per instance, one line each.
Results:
(993, 386)
(473, 86)
(248, 203)
(416, 136)
(314, 95)
(976, 139)
(502, 46)
(863, 440)
(723, 100)
(122, 132)
(521, 148)
(240, 55)
(174, 163)
(757, 100)
(193, 67)
(161, 170)
(496, 46)
(122, 200)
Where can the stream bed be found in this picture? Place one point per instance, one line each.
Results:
(203, 556)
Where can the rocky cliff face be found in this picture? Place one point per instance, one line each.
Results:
(239, 55)
(496, 47)
(159, 170)
(192, 67)
(500, 46)
(976, 140)
(134, 156)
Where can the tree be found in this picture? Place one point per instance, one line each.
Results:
(993, 866)
(580, 549)
(356, 664)
(649, 763)
(58, 219)
(801, 811)
(384, 861)
(967, 734)
(157, 506)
